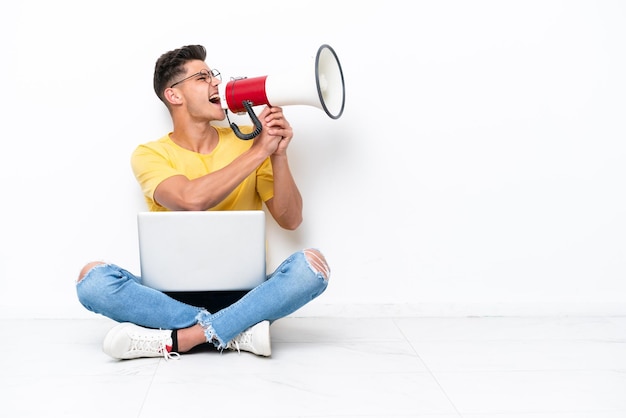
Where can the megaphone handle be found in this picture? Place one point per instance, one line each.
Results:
(257, 123)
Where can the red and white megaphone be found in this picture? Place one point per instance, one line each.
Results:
(321, 86)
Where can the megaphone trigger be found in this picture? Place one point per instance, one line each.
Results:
(323, 88)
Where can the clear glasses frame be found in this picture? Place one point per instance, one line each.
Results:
(208, 76)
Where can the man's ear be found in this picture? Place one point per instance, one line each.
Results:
(171, 96)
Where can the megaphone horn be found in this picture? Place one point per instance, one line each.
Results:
(324, 88)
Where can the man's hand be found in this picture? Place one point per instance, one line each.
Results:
(276, 133)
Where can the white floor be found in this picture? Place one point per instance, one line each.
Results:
(329, 367)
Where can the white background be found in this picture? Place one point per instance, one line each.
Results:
(477, 168)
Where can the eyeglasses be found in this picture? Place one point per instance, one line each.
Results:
(202, 75)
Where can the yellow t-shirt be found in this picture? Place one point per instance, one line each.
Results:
(158, 160)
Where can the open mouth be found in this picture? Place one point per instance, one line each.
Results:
(214, 98)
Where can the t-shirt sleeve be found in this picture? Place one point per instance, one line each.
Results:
(150, 168)
(265, 181)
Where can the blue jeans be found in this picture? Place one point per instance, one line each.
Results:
(111, 291)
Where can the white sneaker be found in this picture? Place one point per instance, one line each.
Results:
(128, 341)
(255, 339)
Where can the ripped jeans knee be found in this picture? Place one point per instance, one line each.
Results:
(317, 262)
(298, 280)
(87, 268)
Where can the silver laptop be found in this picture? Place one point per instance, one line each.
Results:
(199, 251)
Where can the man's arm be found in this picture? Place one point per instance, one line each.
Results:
(203, 193)
(286, 205)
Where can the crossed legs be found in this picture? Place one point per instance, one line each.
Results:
(298, 280)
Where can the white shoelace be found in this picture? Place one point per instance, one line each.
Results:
(169, 355)
(153, 346)
(245, 338)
